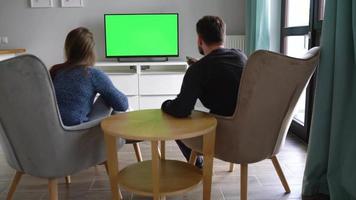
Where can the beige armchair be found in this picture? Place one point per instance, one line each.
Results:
(270, 87)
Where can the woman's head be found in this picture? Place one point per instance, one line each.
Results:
(79, 47)
(79, 50)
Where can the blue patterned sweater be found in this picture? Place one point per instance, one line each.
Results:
(76, 89)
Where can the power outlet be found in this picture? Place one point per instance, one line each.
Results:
(5, 40)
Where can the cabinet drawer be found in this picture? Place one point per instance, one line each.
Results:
(133, 103)
(157, 84)
(128, 84)
(153, 102)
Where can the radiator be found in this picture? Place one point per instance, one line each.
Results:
(235, 41)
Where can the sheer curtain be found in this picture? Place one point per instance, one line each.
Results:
(331, 160)
(262, 25)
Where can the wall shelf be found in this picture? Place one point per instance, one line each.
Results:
(10, 53)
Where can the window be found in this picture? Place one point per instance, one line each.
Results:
(297, 13)
(301, 30)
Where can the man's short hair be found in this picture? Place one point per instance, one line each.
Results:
(211, 29)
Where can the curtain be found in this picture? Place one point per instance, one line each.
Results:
(331, 160)
(262, 25)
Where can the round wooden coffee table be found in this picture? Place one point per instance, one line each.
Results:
(159, 177)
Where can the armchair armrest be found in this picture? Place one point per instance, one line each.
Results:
(222, 117)
(99, 112)
(85, 125)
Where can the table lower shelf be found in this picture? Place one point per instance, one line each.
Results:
(175, 177)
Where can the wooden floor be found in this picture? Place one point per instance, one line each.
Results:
(93, 184)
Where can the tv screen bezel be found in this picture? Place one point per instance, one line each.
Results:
(142, 56)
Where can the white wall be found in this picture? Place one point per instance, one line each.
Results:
(42, 31)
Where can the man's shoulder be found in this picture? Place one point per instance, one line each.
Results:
(198, 64)
(237, 52)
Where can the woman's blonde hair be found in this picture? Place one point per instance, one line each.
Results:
(78, 49)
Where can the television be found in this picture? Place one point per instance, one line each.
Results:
(141, 35)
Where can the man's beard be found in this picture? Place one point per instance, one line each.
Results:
(201, 51)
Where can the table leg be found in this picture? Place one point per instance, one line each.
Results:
(163, 157)
(155, 170)
(113, 166)
(163, 150)
(208, 152)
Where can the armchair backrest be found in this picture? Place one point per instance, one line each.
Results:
(270, 87)
(29, 120)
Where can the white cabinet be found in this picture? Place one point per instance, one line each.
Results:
(164, 84)
(147, 84)
(150, 102)
(126, 83)
(133, 102)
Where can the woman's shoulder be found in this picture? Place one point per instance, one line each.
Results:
(97, 75)
(96, 72)
(58, 65)
(56, 68)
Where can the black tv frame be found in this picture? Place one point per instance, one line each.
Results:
(144, 57)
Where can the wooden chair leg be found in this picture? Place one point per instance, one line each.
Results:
(231, 169)
(159, 152)
(137, 152)
(107, 172)
(193, 157)
(68, 180)
(14, 183)
(106, 167)
(279, 171)
(53, 189)
(163, 150)
(244, 177)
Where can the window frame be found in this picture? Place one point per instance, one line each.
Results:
(313, 30)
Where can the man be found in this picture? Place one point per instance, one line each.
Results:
(214, 79)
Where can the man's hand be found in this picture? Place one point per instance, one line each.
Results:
(191, 60)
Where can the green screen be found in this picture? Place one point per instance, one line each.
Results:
(134, 35)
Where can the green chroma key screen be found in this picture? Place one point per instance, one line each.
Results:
(140, 35)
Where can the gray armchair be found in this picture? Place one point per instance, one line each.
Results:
(270, 87)
(32, 136)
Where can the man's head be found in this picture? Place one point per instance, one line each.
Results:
(211, 33)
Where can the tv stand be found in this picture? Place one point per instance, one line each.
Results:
(146, 84)
(143, 59)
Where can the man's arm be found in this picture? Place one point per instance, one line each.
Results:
(191, 89)
(191, 60)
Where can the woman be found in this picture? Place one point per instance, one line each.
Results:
(76, 82)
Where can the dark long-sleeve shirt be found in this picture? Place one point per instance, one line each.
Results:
(214, 80)
(76, 89)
